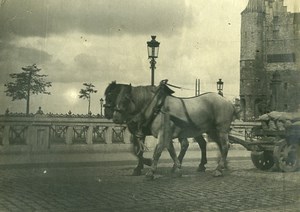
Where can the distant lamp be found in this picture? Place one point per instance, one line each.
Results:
(153, 47)
(101, 107)
(220, 85)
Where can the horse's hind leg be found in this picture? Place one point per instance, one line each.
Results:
(222, 141)
(202, 144)
(184, 145)
(176, 169)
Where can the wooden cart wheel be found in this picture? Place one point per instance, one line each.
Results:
(287, 156)
(262, 160)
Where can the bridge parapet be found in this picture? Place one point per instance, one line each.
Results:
(57, 132)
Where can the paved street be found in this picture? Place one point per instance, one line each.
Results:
(108, 186)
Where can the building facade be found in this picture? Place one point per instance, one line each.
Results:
(269, 58)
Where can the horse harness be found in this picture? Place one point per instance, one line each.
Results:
(144, 124)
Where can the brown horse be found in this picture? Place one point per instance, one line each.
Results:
(170, 117)
(140, 97)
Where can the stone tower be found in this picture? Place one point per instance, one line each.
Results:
(252, 72)
(270, 45)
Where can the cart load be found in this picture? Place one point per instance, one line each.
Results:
(278, 121)
(274, 143)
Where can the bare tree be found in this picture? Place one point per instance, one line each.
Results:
(27, 83)
(86, 94)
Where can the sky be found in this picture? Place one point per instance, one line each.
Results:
(99, 41)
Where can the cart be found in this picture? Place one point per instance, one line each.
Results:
(270, 149)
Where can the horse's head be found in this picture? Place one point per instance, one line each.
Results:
(124, 105)
(111, 93)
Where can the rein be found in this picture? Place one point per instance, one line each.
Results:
(181, 88)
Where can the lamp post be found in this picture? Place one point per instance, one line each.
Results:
(101, 107)
(220, 85)
(153, 47)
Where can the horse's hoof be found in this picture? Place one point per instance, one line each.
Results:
(217, 173)
(136, 172)
(177, 172)
(173, 169)
(149, 175)
(226, 165)
(147, 161)
(201, 169)
(274, 168)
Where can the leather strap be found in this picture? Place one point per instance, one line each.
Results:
(188, 116)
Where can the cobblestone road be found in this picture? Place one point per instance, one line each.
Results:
(109, 187)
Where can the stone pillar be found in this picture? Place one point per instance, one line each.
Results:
(69, 135)
(31, 136)
(89, 135)
(108, 135)
(5, 140)
(42, 136)
(127, 135)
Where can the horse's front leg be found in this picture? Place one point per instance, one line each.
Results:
(163, 140)
(176, 169)
(156, 155)
(202, 145)
(224, 147)
(164, 134)
(138, 151)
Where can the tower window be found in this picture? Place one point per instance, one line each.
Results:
(276, 34)
(281, 58)
(285, 85)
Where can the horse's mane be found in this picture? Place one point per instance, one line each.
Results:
(112, 87)
(142, 95)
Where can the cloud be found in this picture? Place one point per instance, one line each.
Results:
(13, 58)
(106, 17)
(86, 61)
(100, 41)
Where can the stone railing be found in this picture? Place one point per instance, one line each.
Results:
(57, 132)
(56, 138)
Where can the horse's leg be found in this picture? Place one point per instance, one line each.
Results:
(157, 153)
(222, 142)
(177, 165)
(139, 153)
(136, 149)
(184, 145)
(202, 144)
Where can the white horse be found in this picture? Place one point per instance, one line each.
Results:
(140, 97)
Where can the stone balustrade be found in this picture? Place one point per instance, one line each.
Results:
(57, 132)
(56, 138)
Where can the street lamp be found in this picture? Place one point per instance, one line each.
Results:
(101, 107)
(153, 47)
(220, 85)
